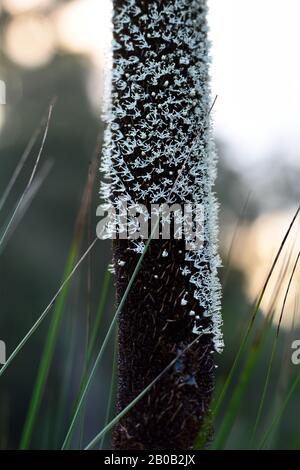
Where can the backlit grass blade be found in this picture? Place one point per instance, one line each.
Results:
(86, 199)
(62, 406)
(239, 391)
(287, 292)
(47, 354)
(45, 312)
(264, 393)
(31, 178)
(245, 376)
(234, 240)
(91, 343)
(22, 161)
(27, 200)
(57, 314)
(280, 412)
(221, 397)
(274, 347)
(99, 315)
(282, 385)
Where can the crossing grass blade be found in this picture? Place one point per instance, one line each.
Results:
(117, 418)
(274, 348)
(90, 377)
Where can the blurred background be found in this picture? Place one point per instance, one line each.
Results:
(55, 50)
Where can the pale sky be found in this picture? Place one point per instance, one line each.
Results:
(256, 73)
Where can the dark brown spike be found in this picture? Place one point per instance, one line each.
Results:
(154, 325)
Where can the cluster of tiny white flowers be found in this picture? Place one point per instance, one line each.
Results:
(158, 127)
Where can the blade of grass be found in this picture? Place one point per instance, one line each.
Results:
(234, 239)
(45, 312)
(264, 393)
(48, 353)
(232, 408)
(99, 315)
(69, 353)
(282, 384)
(31, 178)
(287, 293)
(255, 350)
(81, 216)
(23, 160)
(94, 335)
(58, 312)
(112, 388)
(88, 206)
(236, 361)
(117, 418)
(104, 290)
(280, 413)
(274, 348)
(239, 391)
(31, 193)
